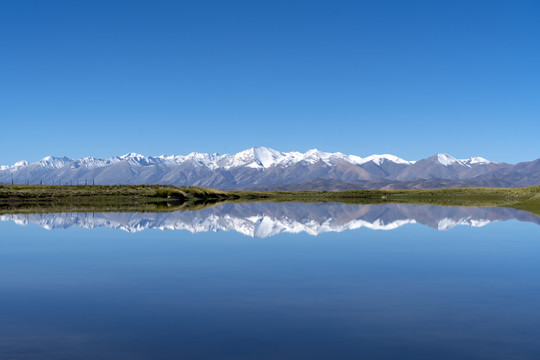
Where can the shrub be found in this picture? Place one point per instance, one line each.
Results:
(170, 194)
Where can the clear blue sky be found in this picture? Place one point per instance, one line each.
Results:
(411, 78)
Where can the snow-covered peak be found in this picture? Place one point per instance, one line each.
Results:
(51, 162)
(201, 159)
(476, 160)
(379, 159)
(257, 157)
(132, 155)
(315, 155)
(172, 158)
(447, 160)
(21, 163)
(267, 157)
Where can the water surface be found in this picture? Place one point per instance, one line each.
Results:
(272, 281)
(269, 219)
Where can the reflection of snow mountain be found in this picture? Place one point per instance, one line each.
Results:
(268, 219)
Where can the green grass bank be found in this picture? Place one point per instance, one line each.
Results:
(49, 198)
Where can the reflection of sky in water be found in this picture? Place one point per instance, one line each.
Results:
(412, 293)
(268, 219)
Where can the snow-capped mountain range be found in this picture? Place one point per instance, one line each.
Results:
(269, 219)
(271, 169)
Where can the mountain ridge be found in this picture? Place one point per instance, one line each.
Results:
(265, 168)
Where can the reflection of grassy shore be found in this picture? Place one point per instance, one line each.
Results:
(37, 198)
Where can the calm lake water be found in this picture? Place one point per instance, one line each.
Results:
(272, 281)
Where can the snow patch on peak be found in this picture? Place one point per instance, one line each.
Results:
(267, 157)
(21, 163)
(447, 160)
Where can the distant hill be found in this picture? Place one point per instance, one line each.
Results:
(267, 169)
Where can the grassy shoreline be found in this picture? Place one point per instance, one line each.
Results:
(45, 198)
